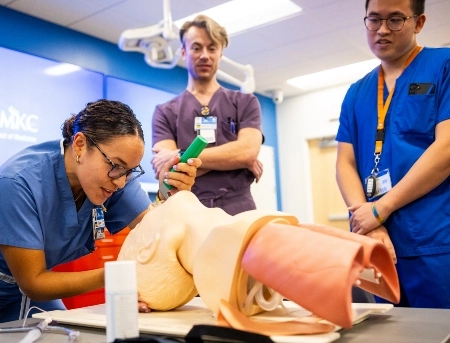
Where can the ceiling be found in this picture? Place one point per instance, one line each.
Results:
(326, 34)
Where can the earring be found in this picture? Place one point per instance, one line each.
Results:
(78, 159)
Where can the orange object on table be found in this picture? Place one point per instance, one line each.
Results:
(108, 249)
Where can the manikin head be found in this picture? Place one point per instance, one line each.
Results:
(167, 241)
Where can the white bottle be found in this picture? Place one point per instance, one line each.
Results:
(121, 300)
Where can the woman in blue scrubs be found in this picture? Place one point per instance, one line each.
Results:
(56, 198)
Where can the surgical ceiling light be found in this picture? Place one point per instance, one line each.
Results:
(333, 77)
(242, 15)
(157, 42)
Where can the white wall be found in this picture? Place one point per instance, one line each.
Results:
(265, 191)
(312, 115)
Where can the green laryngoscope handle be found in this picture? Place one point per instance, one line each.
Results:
(193, 151)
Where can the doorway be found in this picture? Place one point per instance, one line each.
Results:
(328, 205)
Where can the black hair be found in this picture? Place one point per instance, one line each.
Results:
(102, 120)
(417, 6)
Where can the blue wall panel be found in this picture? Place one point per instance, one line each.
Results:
(34, 36)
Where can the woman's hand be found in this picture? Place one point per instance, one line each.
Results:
(143, 307)
(183, 178)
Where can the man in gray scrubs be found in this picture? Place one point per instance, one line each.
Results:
(229, 120)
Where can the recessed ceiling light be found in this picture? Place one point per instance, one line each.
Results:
(336, 76)
(61, 69)
(241, 15)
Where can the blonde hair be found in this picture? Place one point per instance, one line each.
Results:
(217, 33)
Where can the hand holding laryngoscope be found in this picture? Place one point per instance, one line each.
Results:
(193, 151)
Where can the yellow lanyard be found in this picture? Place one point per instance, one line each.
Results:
(383, 108)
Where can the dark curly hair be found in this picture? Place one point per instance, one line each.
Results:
(102, 120)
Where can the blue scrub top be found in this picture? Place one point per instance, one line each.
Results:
(38, 210)
(423, 226)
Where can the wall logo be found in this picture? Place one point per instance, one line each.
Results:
(18, 126)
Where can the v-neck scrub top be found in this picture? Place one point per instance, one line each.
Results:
(174, 120)
(39, 212)
(422, 227)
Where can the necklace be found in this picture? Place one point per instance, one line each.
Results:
(79, 195)
(204, 111)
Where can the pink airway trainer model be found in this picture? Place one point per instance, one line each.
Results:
(245, 264)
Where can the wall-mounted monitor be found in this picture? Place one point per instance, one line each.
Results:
(142, 100)
(37, 95)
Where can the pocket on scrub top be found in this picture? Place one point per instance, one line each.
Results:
(229, 131)
(416, 115)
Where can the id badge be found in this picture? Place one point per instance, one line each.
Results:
(206, 127)
(382, 183)
(98, 223)
(205, 123)
(209, 135)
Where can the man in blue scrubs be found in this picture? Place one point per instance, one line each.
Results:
(393, 161)
(57, 197)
